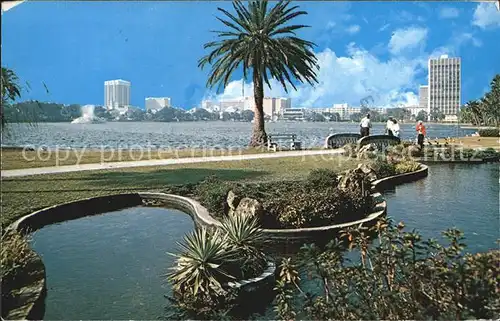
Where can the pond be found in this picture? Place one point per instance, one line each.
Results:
(453, 195)
(110, 266)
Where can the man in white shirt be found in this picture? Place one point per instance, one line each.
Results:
(365, 125)
(389, 126)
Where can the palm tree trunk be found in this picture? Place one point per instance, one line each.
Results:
(259, 136)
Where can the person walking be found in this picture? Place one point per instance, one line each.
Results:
(420, 134)
(395, 128)
(388, 126)
(365, 125)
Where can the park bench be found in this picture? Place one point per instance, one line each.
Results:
(381, 141)
(274, 140)
(341, 139)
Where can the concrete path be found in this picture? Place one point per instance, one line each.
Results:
(160, 162)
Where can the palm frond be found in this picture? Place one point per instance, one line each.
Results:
(260, 39)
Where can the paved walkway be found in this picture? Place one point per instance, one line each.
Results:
(160, 162)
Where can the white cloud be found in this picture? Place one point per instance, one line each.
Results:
(408, 38)
(486, 15)
(348, 79)
(353, 29)
(360, 73)
(452, 48)
(449, 13)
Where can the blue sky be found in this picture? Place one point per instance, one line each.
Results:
(377, 49)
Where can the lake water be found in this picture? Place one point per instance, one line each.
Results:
(109, 266)
(190, 134)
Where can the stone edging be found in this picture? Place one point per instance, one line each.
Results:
(385, 182)
(250, 284)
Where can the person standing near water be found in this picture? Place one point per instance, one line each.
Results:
(395, 127)
(388, 126)
(420, 134)
(365, 125)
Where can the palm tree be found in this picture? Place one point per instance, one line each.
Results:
(10, 91)
(262, 42)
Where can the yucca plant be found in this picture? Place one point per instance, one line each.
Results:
(202, 264)
(245, 236)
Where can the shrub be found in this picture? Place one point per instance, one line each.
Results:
(382, 168)
(212, 193)
(407, 167)
(489, 153)
(323, 178)
(413, 151)
(350, 150)
(15, 257)
(320, 207)
(15, 254)
(489, 132)
(398, 276)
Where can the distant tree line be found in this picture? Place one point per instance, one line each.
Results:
(34, 111)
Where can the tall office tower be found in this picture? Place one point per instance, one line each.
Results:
(283, 103)
(444, 86)
(157, 103)
(423, 97)
(116, 94)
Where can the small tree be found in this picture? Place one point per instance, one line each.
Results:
(422, 115)
(260, 40)
(10, 92)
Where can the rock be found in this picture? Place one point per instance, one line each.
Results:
(233, 200)
(368, 151)
(249, 207)
(414, 151)
(371, 175)
(356, 180)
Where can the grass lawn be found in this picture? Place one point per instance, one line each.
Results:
(15, 158)
(23, 195)
(476, 142)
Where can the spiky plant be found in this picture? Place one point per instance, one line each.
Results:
(245, 236)
(202, 264)
(261, 40)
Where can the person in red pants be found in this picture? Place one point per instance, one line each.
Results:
(420, 134)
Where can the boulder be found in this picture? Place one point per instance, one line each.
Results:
(368, 151)
(249, 207)
(233, 200)
(356, 180)
(370, 174)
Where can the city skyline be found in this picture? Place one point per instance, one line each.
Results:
(364, 49)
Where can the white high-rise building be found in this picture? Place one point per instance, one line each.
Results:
(423, 97)
(154, 104)
(444, 86)
(116, 94)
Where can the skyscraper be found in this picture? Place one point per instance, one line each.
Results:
(423, 97)
(444, 86)
(116, 94)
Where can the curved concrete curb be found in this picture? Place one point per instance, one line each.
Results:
(252, 284)
(390, 181)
